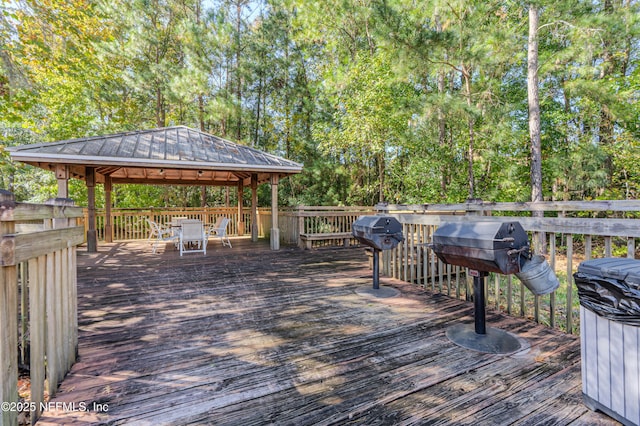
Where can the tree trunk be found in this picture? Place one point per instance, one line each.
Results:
(225, 115)
(160, 119)
(539, 240)
(566, 165)
(534, 106)
(256, 133)
(238, 74)
(466, 75)
(442, 129)
(287, 107)
(201, 111)
(381, 169)
(606, 125)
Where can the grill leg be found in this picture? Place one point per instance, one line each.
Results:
(483, 339)
(479, 304)
(376, 269)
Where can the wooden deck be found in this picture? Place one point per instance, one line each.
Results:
(249, 336)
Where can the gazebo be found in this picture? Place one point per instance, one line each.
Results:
(167, 156)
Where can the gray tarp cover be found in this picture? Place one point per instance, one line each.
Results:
(610, 288)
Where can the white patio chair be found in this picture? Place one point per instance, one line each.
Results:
(192, 234)
(219, 230)
(159, 234)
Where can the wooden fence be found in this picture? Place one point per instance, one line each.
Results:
(131, 224)
(569, 232)
(318, 220)
(38, 299)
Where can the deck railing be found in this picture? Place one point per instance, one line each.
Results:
(38, 299)
(569, 233)
(318, 220)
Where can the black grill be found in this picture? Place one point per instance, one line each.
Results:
(482, 246)
(379, 232)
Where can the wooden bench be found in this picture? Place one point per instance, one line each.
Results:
(307, 239)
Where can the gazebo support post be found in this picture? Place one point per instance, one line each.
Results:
(92, 241)
(108, 227)
(62, 175)
(240, 212)
(254, 207)
(275, 231)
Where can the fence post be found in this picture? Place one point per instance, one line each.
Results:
(92, 238)
(469, 279)
(301, 230)
(540, 237)
(8, 316)
(61, 202)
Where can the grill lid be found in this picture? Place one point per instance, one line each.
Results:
(484, 246)
(379, 232)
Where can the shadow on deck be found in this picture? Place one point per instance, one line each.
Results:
(252, 336)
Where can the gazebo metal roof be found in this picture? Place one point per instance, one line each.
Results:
(171, 155)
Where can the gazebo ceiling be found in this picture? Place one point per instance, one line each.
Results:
(171, 155)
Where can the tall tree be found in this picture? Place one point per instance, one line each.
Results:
(55, 45)
(149, 36)
(534, 105)
(370, 122)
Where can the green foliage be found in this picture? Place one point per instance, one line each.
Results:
(381, 100)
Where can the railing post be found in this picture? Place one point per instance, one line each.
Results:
(61, 202)
(254, 207)
(469, 279)
(301, 230)
(240, 209)
(275, 230)
(8, 316)
(69, 299)
(386, 254)
(539, 237)
(108, 219)
(92, 238)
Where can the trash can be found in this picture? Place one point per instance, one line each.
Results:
(609, 293)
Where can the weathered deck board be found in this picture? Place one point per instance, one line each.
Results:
(251, 336)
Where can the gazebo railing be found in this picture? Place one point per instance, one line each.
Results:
(131, 224)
